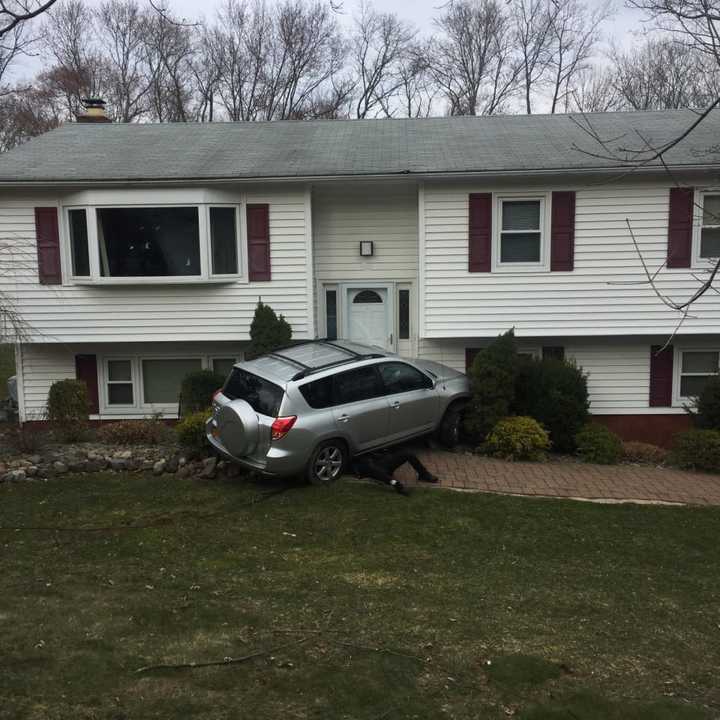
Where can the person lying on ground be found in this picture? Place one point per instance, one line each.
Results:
(382, 465)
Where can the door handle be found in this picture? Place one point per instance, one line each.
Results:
(395, 405)
(343, 418)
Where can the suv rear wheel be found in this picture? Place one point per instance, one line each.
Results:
(327, 462)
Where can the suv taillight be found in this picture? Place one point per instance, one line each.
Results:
(281, 426)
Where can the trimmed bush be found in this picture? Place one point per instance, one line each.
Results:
(492, 383)
(640, 452)
(555, 393)
(191, 432)
(697, 450)
(267, 331)
(197, 389)
(135, 432)
(517, 438)
(597, 444)
(68, 409)
(707, 406)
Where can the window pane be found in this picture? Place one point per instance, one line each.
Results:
(399, 377)
(120, 394)
(319, 393)
(404, 314)
(119, 370)
(148, 242)
(693, 385)
(710, 243)
(355, 385)
(224, 240)
(520, 247)
(263, 396)
(162, 378)
(331, 314)
(711, 210)
(521, 215)
(79, 243)
(700, 362)
(223, 366)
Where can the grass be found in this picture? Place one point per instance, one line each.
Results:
(371, 605)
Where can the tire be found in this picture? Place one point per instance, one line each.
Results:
(448, 433)
(327, 463)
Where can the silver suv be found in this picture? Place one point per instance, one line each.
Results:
(310, 407)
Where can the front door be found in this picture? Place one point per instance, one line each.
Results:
(368, 316)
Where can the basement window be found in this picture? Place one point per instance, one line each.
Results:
(697, 367)
(162, 377)
(119, 382)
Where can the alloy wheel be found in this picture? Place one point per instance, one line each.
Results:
(328, 464)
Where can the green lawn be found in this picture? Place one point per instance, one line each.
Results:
(366, 604)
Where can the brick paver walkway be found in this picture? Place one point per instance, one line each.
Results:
(567, 479)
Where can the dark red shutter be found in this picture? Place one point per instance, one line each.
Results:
(680, 225)
(470, 354)
(48, 245)
(562, 233)
(258, 231)
(480, 232)
(661, 376)
(86, 370)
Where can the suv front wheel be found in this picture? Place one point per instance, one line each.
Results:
(448, 434)
(327, 463)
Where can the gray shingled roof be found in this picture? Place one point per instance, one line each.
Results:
(317, 148)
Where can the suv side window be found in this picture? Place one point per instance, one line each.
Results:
(318, 394)
(399, 377)
(360, 384)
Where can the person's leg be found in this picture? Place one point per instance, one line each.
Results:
(393, 461)
(378, 471)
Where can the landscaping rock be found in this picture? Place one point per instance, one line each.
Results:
(35, 459)
(209, 466)
(118, 464)
(31, 471)
(77, 466)
(184, 471)
(159, 467)
(59, 467)
(123, 454)
(172, 465)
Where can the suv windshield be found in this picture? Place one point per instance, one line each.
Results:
(263, 396)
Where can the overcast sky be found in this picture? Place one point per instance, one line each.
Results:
(623, 29)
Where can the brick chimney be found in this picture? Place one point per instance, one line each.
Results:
(94, 111)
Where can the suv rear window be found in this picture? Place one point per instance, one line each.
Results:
(263, 396)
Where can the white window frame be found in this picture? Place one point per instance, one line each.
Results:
(106, 382)
(205, 276)
(678, 373)
(543, 265)
(213, 358)
(699, 262)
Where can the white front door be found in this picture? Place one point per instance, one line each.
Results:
(368, 316)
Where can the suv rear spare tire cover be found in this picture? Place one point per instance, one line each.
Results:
(238, 427)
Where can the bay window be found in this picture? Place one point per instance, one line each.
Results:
(153, 243)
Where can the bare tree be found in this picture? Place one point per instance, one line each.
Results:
(307, 52)
(663, 74)
(532, 35)
(15, 13)
(472, 59)
(575, 33)
(169, 53)
(122, 28)
(380, 48)
(417, 91)
(593, 91)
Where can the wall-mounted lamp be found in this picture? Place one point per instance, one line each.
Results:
(366, 248)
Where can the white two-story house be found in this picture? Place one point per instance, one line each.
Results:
(136, 253)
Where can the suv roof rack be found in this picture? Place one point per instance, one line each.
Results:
(311, 369)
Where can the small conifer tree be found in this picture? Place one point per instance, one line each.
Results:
(267, 331)
(492, 383)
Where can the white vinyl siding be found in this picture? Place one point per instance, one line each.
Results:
(43, 364)
(73, 313)
(604, 295)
